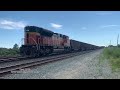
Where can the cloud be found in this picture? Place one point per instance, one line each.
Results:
(9, 24)
(107, 26)
(103, 13)
(83, 28)
(56, 26)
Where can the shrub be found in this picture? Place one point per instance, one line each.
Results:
(113, 54)
(9, 52)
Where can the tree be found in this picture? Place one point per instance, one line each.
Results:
(110, 46)
(15, 46)
(118, 45)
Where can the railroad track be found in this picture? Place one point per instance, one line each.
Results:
(9, 69)
(9, 59)
(19, 58)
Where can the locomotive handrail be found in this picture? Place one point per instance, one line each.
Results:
(22, 41)
(34, 41)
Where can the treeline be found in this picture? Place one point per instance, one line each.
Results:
(10, 52)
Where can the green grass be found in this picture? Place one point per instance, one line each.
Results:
(8, 52)
(113, 55)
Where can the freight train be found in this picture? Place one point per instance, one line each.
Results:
(39, 41)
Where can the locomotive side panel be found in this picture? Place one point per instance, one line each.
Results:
(67, 42)
(31, 38)
(47, 41)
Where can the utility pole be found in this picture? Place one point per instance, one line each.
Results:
(110, 42)
(117, 39)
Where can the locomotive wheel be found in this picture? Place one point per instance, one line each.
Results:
(41, 52)
(33, 53)
(47, 51)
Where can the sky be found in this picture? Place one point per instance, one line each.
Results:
(94, 27)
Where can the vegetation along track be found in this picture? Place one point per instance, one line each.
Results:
(41, 61)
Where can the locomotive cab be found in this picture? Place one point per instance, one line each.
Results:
(37, 41)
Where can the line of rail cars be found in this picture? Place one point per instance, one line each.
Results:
(39, 41)
(81, 46)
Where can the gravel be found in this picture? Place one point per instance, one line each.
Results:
(86, 66)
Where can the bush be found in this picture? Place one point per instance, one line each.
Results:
(113, 54)
(9, 52)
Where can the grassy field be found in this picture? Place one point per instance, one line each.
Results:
(8, 52)
(113, 55)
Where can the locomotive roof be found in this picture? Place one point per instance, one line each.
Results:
(40, 30)
(61, 35)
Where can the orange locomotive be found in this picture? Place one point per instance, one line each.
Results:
(39, 41)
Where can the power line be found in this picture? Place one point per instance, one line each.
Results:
(117, 39)
(110, 42)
